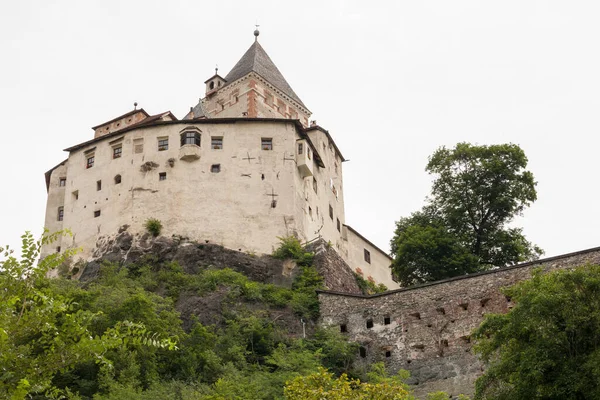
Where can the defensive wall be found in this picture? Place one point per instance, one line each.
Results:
(426, 329)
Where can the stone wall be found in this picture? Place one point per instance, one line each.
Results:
(426, 329)
(337, 275)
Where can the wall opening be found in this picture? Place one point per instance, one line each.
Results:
(162, 176)
(96, 213)
(367, 255)
(98, 185)
(387, 320)
(362, 351)
(369, 323)
(388, 353)
(215, 168)
(343, 328)
(117, 179)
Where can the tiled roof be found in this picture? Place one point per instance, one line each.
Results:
(257, 60)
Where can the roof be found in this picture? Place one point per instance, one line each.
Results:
(121, 117)
(368, 241)
(196, 112)
(214, 76)
(159, 122)
(257, 60)
(326, 132)
(461, 277)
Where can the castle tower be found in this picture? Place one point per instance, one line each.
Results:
(240, 170)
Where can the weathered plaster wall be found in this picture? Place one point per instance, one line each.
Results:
(56, 199)
(429, 326)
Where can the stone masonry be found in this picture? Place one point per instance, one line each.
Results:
(426, 329)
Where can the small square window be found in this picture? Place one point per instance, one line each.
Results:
(266, 144)
(96, 213)
(343, 328)
(216, 143)
(215, 168)
(98, 185)
(90, 161)
(387, 320)
(369, 323)
(163, 144)
(117, 151)
(61, 213)
(62, 182)
(388, 353)
(117, 179)
(367, 256)
(331, 212)
(363, 352)
(162, 176)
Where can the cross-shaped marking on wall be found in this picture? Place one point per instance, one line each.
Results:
(273, 201)
(248, 157)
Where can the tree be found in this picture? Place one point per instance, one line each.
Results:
(477, 192)
(547, 346)
(43, 333)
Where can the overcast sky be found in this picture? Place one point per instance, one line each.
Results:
(392, 81)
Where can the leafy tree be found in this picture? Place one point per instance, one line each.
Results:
(547, 346)
(42, 332)
(462, 229)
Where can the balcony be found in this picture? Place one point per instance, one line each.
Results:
(304, 158)
(189, 152)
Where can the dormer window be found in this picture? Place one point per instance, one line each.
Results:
(190, 137)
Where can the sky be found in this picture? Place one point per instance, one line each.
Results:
(392, 81)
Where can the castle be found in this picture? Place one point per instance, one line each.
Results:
(243, 167)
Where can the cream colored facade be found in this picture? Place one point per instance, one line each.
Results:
(242, 169)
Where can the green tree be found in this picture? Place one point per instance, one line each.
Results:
(547, 346)
(43, 333)
(463, 228)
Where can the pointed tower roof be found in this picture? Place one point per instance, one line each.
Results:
(257, 60)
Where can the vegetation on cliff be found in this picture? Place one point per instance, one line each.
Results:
(547, 346)
(463, 228)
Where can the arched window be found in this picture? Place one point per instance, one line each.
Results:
(190, 137)
(211, 85)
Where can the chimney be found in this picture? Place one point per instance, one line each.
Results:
(313, 123)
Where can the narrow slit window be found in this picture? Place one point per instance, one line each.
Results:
(369, 323)
(315, 184)
(300, 148)
(343, 328)
(98, 185)
(61, 213)
(363, 352)
(266, 144)
(387, 320)
(367, 255)
(339, 225)
(331, 212)
(162, 176)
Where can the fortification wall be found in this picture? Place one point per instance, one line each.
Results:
(426, 329)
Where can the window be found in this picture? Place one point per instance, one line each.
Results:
(215, 168)
(310, 211)
(96, 213)
(58, 249)
(369, 323)
(163, 144)
(363, 352)
(339, 226)
(190, 137)
(367, 256)
(335, 192)
(117, 179)
(211, 85)
(98, 185)
(308, 153)
(300, 148)
(90, 161)
(138, 146)
(75, 195)
(117, 151)
(343, 328)
(162, 176)
(336, 167)
(315, 184)
(216, 142)
(266, 144)
(388, 353)
(331, 212)
(62, 182)
(61, 213)
(387, 320)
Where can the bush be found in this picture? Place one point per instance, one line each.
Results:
(368, 287)
(292, 248)
(153, 226)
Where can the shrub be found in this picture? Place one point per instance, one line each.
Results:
(368, 287)
(291, 247)
(153, 226)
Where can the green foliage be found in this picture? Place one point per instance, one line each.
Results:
(547, 346)
(477, 191)
(43, 333)
(291, 248)
(153, 226)
(369, 287)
